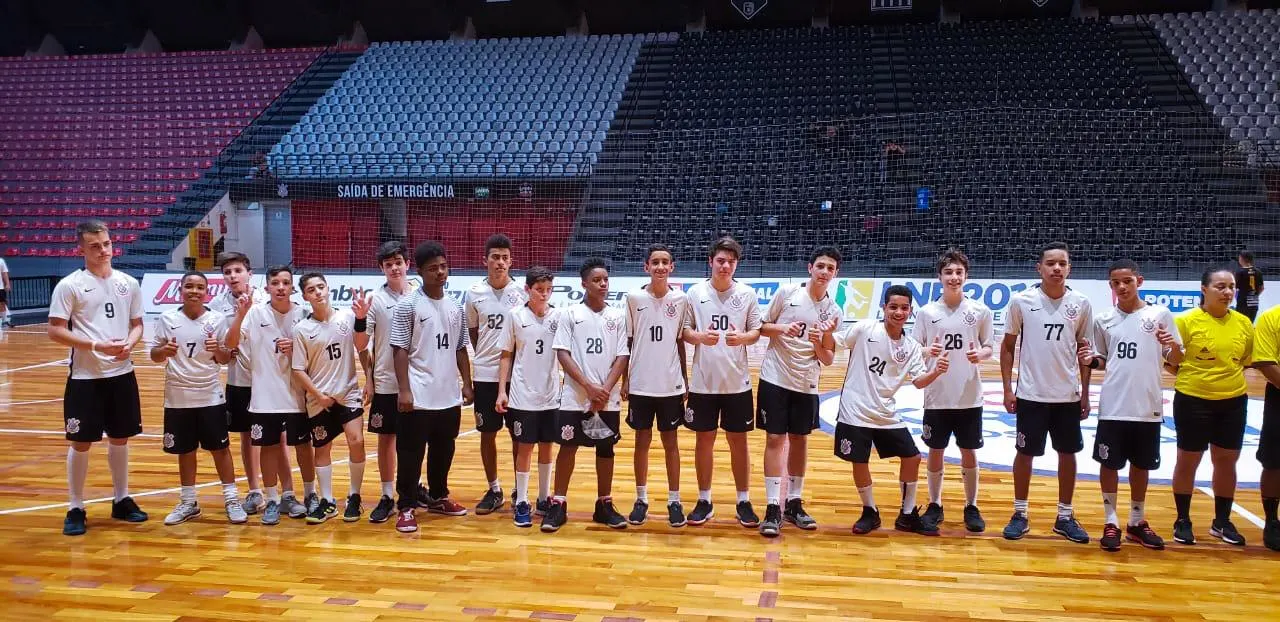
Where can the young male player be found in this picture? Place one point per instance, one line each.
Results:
(4, 295)
(529, 388)
(961, 327)
(880, 360)
(1131, 341)
(591, 345)
(724, 319)
(1051, 320)
(656, 378)
(433, 375)
(486, 305)
(1266, 354)
(380, 371)
(324, 366)
(188, 340)
(787, 400)
(97, 312)
(277, 406)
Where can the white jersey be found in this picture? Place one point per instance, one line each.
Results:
(326, 352)
(432, 331)
(486, 310)
(378, 325)
(1048, 367)
(99, 310)
(535, 370)
(594, 340)
(191, 376)
(721, 369)
(790, 362)
(4, 267)
(238, 368)
(878, 366)
(1131, 388)
(270, 374)
(654, 326)
(969, 323)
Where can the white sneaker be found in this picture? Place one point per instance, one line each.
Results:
(289, 505)
(254, 503)
(182, 513)
(236, 513)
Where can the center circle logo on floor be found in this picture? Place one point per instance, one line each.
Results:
(1000, 435)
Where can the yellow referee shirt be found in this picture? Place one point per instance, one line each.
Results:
(1266, 347)
(1217, 351)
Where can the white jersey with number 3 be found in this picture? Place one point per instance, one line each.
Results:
(326, 352)
(99, 310)
(654, 325)
(535, 369)
(968, 324)
(238, 369)
(790, 362)
(486, 310)
(1050, 329)
(1131, 388)
(191, 376)
(721, 369)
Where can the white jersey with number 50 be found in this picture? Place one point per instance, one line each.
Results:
(721, 369)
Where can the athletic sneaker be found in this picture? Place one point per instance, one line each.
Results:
(796, 515)
(702, 512)
(424, 498)
(1018, 526)
(290, 506)
(932, 517)
(446, 506)
(382, 512)
(182, 513)
(913, 523)
(1183, 532)
(1271, 535)
(1070, 529)
(491, 502)
(1143, 534)
(271, 513)
(74, 523)
(325, 510)
(1225, 531)
(354, 509)
(126, 510)
(639, 512)
(540, 508)
(254, 503)
(868, 522)
(746, 515)
(406, 522)
(772, 524)
(1110, 538)
(235, 512)
(606, 514)
(523, 515)
(973, 521)
(312, 502)
(675, 514)
(556, 516)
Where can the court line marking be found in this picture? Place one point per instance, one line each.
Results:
(27, 403)
(36, 366)
(64, 432)
(1235, 507)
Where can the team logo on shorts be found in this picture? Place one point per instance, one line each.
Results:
(669, 310)
(517, 428)
(1022, 440)
(1103, 451)
(688, 415)
(763, 416)
(479, 419)
(970, 318)
(1071, 310)
(375, 420)
(168, 440)
(1148, 325)
(255, 432)
(566, 432)
(846, 446)
(73, 425)
(319, 433)
(122, 290)
(739, 301)
(926, 432)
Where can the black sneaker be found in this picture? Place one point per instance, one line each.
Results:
(354, 509)
(869, 522)
(1110, 538)
(491, 502)
(1143, 534)
(796, 515)
(973, 521)
(702, 512)
(1271, 535)
(606, 514)
(1183, 532)
(424, 498)
(639, 512)
(1225, 531)
(914, 523)
(323, 511)
(746, 515)
(675, 514)
(556, 516)
(932, 517)
(772, 524)
(383, 511)
(1018, 526)
(74, 523)
(1070, 529)
(127, 510)
(540, 508)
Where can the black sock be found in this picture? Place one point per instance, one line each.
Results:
(1183, 503)
(1269, 506)
(1222, 508)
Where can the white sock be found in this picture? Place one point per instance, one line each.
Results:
(309, 488)
(544, 480)
(867, 496)
(559, 499)
(495, 486)
(642, 493)
(230, 492)
(1020, 506)
(77, 471)
(970, 477)
(272, 494)
(795, 487)
(118, 460)
(1109, 508)
(389, 489)
(187, 494)
(1065, 511)
(909, 496)
(253, 490)
(673, 496)
(522, 486)
(1137, 512)
(704, 495)
(744, 495)
(325, 475)
(357, 476)
(773, 490)
(935, 487)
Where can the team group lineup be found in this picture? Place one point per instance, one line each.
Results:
(558, 376)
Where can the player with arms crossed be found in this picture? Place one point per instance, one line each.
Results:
(486, 305)
(324, 366)
(1052, 320)
(962, 328)
(97, 312)
(188, 340)
(1266, 356)
(787, 403)
(529, 388)
(1131, 341)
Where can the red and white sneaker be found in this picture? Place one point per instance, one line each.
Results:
(406, 522)
(446, 506)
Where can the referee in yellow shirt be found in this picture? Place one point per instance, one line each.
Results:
(1209, 402)
(1266, 355)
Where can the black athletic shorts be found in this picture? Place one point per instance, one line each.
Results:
(1120, 442)
(4, 296)
(1201, 423)
(1269, 444)
(383, 413)
(92, 406)
(941, 423)
(327, 425)
(488, 419)
(267, 428)
(783, 411)
(644, 409)
(533, 426)
(238, 418)
(732, 412)
(1059, 421)
(185, 429)
(853, 443)
(570, 432)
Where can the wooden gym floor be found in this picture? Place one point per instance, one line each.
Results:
(482, 567)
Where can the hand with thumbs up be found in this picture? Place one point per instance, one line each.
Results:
(935, 348)
(169, 348)
(1164, 336)
(944, 363)
(974, 353)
